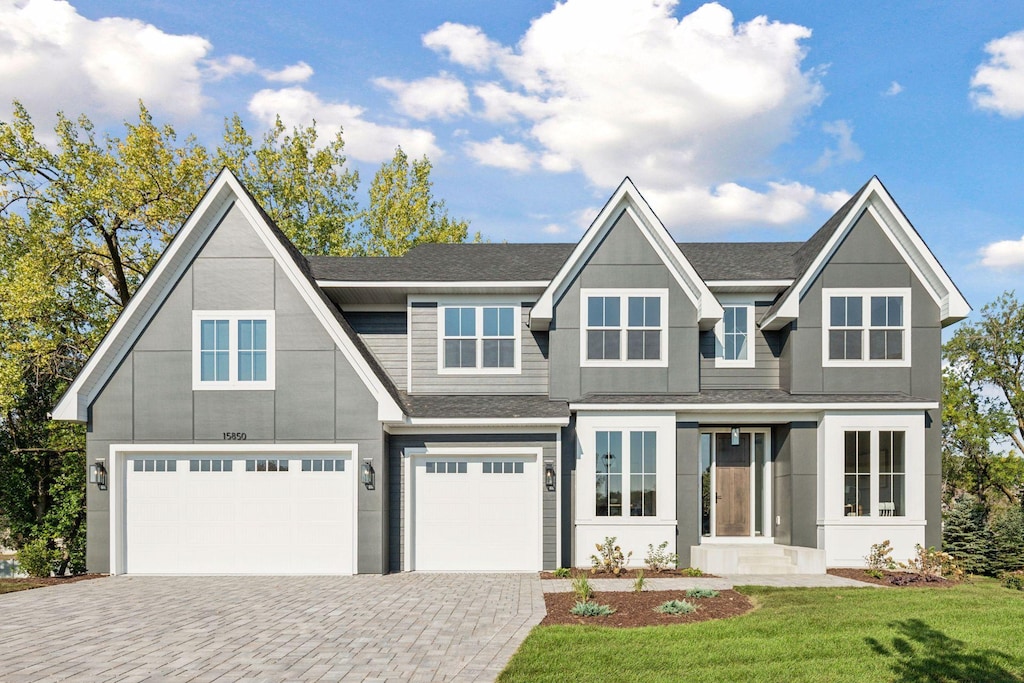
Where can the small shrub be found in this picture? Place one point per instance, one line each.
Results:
(639, 582)
(591, 609)
(659, 559)
(1014, 580)
(880, 557)
(702, 593)
(609, 557)
(37, 559)
(562, 573)
(675, 607)
(581, 587)
(929, 562)
(692, 571)
(875, 573)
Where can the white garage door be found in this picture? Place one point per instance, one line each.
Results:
(475, 513)
(239, 514)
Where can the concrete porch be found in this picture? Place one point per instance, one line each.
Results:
(757, 558)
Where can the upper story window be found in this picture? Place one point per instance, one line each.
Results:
(478, 338)
(623, 327)
(866, 327)
(232, 350)
(734, 335)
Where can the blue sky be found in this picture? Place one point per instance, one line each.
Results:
(738, 121)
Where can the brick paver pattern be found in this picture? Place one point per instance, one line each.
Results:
(401, 627)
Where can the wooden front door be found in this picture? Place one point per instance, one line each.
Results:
(732, 486)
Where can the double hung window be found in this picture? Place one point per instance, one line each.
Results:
(233, 350)
(626, 327)
(629, 457)
(479, 338)
(734, 335)
(866, 327)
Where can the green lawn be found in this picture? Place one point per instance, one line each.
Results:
(973, 632)
(11, 585)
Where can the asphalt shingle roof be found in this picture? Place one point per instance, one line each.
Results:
(484, 406)
(739, 396)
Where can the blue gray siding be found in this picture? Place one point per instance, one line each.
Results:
(385, 334)
(318, 396)
(764, 374)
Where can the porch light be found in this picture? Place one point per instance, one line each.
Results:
(366, 474)
(735, 436)
(98, 474)
(549, 476)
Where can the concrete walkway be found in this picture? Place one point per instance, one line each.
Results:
(402, 627)
(722, 583)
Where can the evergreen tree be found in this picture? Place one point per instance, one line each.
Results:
(1007, 530)
(965, 535)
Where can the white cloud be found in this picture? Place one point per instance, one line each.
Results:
(299, 72)
(500, 154)
(232, 65)
(53, 58)
(553, 229)
(683, 106)
(435, 97)
(894, 89)
(1003, 254)
(998, 83)
(364, 140)
(845, 150)
(464, 45)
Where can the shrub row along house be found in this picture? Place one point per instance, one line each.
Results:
(760, 406)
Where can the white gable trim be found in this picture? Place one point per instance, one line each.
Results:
(224, 193)
(627, 199)
(877, 201)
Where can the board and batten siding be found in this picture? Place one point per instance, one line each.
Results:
(385, 334)
(397, 444)
(764, 374)
(532, 378)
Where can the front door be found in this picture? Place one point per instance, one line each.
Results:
(732, 486)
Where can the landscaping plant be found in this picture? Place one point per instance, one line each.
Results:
(692, 571)
(591, 609)
(929, 562)
(37, 559)
(562, 573)
(659, 559)
(676, 607)
(1014, 580)
(581, 587)
(639, 582)
(609, 557)
(880, 558)
(702, 593)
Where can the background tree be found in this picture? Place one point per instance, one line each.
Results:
(403, 212)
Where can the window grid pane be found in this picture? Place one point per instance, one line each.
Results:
(643, 473)
(857, 484)
(735, 333)
(609, 474)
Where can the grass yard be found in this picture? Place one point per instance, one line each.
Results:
(971, 632)
(11, 585)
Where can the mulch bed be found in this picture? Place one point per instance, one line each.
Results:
(50, 581)
(631, 574)
(893, 578)
(637, 609)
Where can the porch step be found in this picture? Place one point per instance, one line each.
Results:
(755, 558)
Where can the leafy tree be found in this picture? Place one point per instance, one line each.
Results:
(306, 189)
(403, 212)
(965, 535)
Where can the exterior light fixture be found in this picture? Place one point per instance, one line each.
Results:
(366, 474)
(98, 474)
(735, 436)
(549, 476)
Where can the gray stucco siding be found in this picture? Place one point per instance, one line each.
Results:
(795, 484)
(318, 395)
(397, 444)
(688, 489)
(532, 377)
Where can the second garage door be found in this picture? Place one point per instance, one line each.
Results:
(475, 513)
(239, 514)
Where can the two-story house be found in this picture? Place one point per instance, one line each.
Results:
(759, 406)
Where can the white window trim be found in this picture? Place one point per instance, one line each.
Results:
(866, 293)
(623, 296)
(480, 305)
(720, 360)
(232, 384)
(875, 474)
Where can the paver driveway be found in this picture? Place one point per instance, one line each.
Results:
(402, 627)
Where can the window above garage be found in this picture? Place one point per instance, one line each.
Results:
(232, 350)
(478, 339)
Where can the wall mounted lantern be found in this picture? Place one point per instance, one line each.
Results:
(735, 436)
(549, 476)
(98, 474)
(366, 474)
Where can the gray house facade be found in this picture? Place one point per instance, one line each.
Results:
(760, 407)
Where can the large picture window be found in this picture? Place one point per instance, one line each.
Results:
(233, 350)
(875, 473)
(478, 338)
(866, 327)
(624, 327)
(631, 455)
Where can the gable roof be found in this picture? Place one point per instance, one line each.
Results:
(627, 200)
(818, 250)
(224, 193)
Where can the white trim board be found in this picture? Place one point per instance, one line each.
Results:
(750, 407)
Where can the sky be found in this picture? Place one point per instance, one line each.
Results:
(738, 121)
